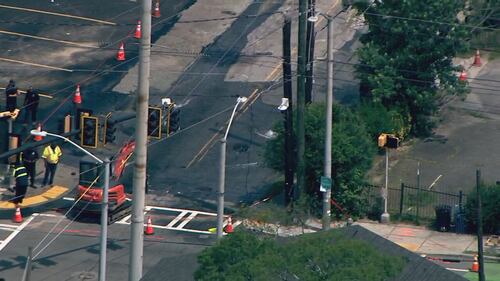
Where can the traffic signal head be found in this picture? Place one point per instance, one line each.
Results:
(174, 120)
(382, 140)
(89, 131)
(109, 130)
(392, 141)
(154, 122)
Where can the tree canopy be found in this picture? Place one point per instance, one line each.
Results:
(352, 153)
(406, 57)
(311, 257)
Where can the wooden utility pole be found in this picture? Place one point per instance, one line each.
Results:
(301, 102)
(287, 93)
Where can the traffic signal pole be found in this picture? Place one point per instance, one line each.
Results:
(141, 138)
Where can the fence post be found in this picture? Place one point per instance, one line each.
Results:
(460, 198)
(401, 199)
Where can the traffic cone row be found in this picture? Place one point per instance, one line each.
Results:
(38, 128)
(475, 265)
(77, 99)
(463, 76)
(229, 226)
(121, 53)
(18, 218)
(477, 59)
(138, 33)
(156, 12)
(149, 227)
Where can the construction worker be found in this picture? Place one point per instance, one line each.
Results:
(21, 176)
(31, 101)
(51, 154)
(11, 96)
(29, 158)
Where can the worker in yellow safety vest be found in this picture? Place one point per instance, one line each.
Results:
(51, 154)
(21, 176)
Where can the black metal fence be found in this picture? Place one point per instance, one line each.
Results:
(412, 203)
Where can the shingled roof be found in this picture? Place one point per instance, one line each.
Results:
(417, 268)
(182, 267)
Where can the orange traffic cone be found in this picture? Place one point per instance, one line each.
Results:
(229, 226)
(121, 53)
(77, 98)
(477, 59)
(463, 76)
(137, 33)
(156, 12)
(149, 227)
(17, 216)
(475, 265)
(38, 128)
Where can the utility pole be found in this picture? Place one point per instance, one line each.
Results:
(301, 102)
(328, 130)
(287, 93)
(418, 193)
(480, 227)
(385, 217)
(104, 223)
(310, 51)
(141, 140)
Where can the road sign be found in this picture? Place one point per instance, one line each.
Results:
(326, 184)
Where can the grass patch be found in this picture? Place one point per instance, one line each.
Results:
(492, 272)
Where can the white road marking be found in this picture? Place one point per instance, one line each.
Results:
(125, 219)
(182, 210)
(8, 226)
(177, 219)
(35, 64)
(458, 269)
(434, 182)
(186, 221)
(16, 231)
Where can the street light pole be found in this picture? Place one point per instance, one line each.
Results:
(385, 217)
(328, 130)
(222, 172)
(104, 202)
(104, 223)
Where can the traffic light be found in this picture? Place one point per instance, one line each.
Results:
(174, 120)
(388, 141)
(154, 122)
(109, 130)
(89, 131)
(392, 141)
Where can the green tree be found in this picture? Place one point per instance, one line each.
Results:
(352, 154)
(311, 257)
(406, 57)
(490, 196)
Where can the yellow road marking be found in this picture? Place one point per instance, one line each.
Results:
(52, 193)
(48, 39)
(254, 96)
(56, 14)
(35, 64)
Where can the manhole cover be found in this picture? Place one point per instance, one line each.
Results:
(83, 276)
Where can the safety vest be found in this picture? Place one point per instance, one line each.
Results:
(52, 155)
(21, 175)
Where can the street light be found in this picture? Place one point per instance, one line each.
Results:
(329, 116)
(104, 203)
(222, 171)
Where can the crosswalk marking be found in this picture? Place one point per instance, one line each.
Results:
(186, 221)
(178, 218)
(15, 230)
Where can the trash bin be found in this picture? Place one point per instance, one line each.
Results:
(443, 217)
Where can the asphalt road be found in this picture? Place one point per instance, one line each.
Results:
(66, 250)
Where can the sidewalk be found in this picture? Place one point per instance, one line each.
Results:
(65, 180)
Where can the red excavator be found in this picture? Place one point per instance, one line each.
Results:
(89, 196)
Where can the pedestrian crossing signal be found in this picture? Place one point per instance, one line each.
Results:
(89, 134)
(154, 122)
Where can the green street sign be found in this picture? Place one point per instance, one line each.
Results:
(326, 184)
